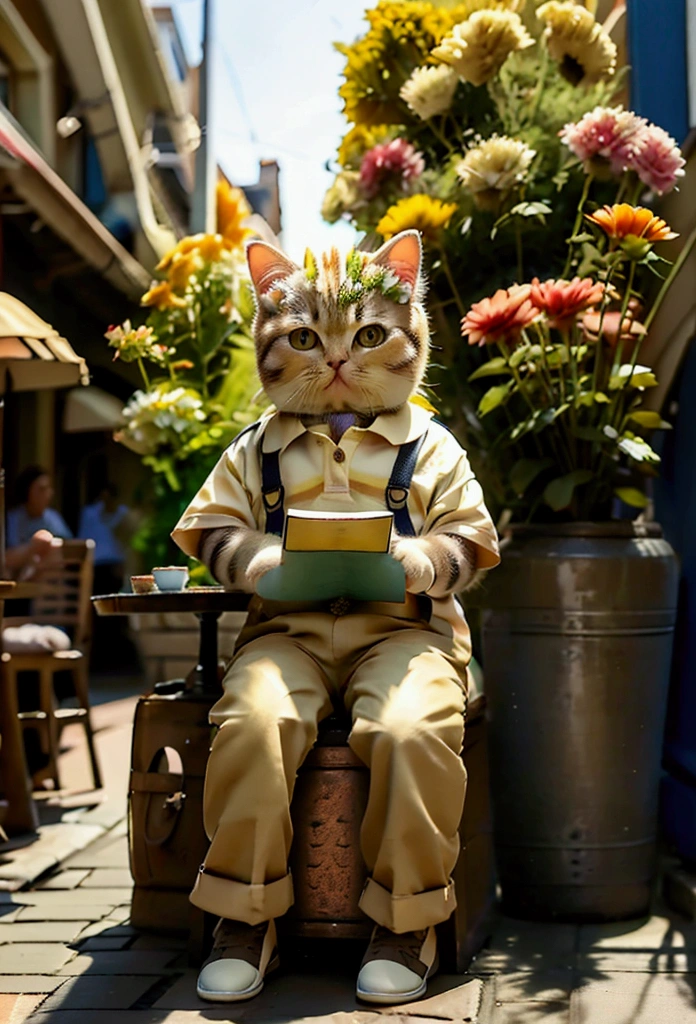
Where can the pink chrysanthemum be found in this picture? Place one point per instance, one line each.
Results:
(563, 300)
(611, 133)
(390, 160)
(501, 317)
(657, 159)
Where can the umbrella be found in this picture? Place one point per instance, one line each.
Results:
(33, 357)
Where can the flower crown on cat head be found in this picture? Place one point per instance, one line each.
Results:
(394, 272)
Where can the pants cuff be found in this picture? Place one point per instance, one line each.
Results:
(237, 901)
(407, 913)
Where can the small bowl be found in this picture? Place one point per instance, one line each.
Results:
(171, 577)
(142, 584)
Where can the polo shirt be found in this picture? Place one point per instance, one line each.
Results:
(350, 476)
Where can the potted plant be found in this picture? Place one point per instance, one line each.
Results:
(496, 131)
(196, 357)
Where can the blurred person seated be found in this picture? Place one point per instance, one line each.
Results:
(32, 513)
(103, 522)
(26, 562)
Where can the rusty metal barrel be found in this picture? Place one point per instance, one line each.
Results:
(577, 642)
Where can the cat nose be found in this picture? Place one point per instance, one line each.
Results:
(336, 364)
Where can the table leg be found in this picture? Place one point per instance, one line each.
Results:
(206, 675)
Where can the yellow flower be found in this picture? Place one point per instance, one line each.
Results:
(583, 49)
(182, 248)
(211, 247)
(478, 48)
(181, 269)
(493, 167)
(430, 91)
(401, 35)
(342, 196)
(232, 210)
(162, 296)
(421, 212)
(358, 140)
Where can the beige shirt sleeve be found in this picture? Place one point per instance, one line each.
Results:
(224, 499)
(457, 505)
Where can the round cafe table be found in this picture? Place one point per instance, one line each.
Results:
(206, 603)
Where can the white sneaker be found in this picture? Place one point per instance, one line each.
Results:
(396, 968)
(242, 955)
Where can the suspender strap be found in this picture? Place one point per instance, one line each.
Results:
(272, 492)
(396, 494)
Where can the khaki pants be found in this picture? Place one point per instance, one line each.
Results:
(403, 685)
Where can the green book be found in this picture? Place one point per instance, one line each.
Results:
(330, 555)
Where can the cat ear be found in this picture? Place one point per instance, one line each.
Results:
(402, 254)
(267, 265)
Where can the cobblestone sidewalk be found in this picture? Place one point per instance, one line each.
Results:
(69, 956)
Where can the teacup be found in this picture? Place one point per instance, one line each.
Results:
(170, 577)
(142, 584)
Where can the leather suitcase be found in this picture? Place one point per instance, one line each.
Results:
(171, 741)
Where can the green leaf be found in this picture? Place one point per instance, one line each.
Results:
(543, 418)
(631, 496)
(559, 493)
(491, 368)
(557, 357)
(531, 209)
(644, 380)
(493, 398)
(521, 353)
(525, 471)
(637, 448)
(651, 420)
(634, 377)
(601, 398)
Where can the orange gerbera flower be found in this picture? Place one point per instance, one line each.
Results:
(635, 228)
(500, 317)
(563, 300)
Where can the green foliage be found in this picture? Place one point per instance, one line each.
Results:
(202, 389)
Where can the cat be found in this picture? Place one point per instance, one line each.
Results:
(340, 342)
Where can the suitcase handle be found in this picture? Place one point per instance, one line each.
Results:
(170, 784)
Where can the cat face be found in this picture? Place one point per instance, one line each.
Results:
(340, 337)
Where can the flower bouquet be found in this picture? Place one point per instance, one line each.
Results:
(492, 126)
(568, 408)
(196, 358)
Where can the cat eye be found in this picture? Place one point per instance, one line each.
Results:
(303, 339)
(370, 336)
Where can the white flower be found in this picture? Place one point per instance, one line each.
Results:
(497, 164)
(430, 90)
(159, 417)
(478, 47)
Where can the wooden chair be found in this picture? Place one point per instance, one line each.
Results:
(64, 600)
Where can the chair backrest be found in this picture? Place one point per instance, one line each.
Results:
(66, 588)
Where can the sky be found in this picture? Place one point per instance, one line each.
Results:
(275, 87)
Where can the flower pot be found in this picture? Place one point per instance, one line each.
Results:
(577, 641)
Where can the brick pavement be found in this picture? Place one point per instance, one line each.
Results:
(69, 956)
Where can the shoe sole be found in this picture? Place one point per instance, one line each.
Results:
(396, 998)
(392, 998)
(237, 997)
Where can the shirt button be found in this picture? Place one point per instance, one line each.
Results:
(339, 455)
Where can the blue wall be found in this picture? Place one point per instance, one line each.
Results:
(657, 55)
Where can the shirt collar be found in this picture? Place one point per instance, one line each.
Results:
(404, 425)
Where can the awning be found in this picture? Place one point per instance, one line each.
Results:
(33, 355)
(37, 183)
(90, 409)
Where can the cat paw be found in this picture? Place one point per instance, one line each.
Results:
(419, 569)
(269, 556)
